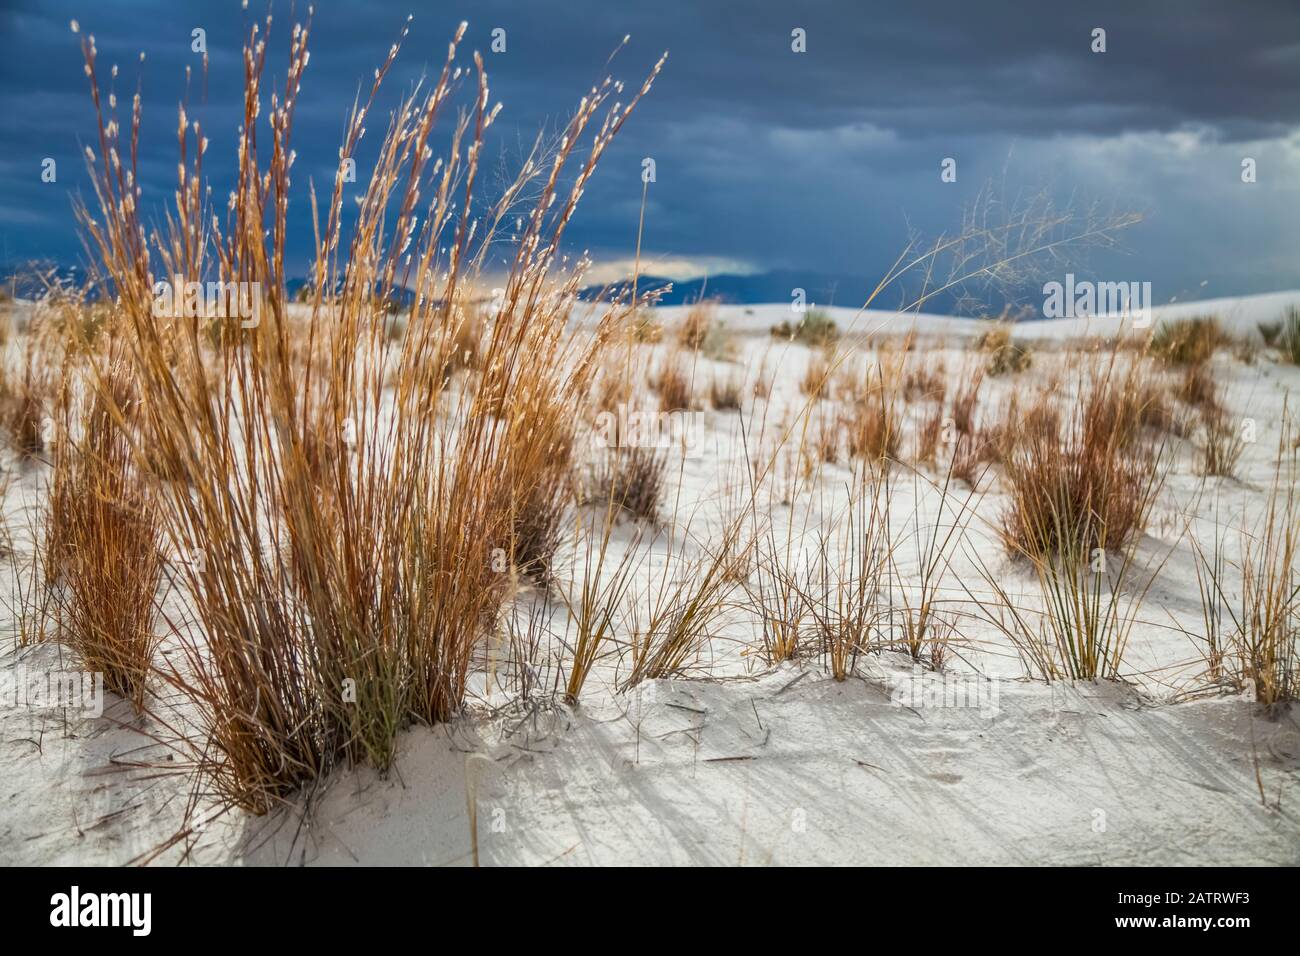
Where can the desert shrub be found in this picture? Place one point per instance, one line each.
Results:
(1188, 341)
(1003, 354)
(816, 328)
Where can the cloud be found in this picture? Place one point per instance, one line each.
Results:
(766, 158)
(666, 266)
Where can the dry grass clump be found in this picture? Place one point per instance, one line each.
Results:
(1155, 410)
(1221, 445)
(644, 328)
(964, 403)
(614, 386)
(1188, 341)
(673, 382)
(926, 383)
(1083, 479)
(682, 610)
(1252, 604)
(825, 438)
(342, 596)
(726, 390)
(1082, 485)
(27, 400)
(1197, 388)
(929, 434)
(1003, 354)
(1090, 603)
(846, 600)
(873, 425)
(1289, 337)
(629, 479)
(927, 632)
(1221, 441)
(816, 381)
(969, 459)
(543, 489)
(696, 326)
(780, 600)
(763, 380)
(103, 546)
(464, 351)
(814, 329)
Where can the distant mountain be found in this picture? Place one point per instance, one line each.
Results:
(822, 289)
(775, 286)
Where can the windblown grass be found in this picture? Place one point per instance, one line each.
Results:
(1003, 355)
(1288, 339)
(1252, 604)
(1188, 341)
(1082, 479)
(341, 596)
(103, 547)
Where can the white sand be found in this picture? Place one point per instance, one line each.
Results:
(767, 767)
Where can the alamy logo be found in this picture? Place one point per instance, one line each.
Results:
(1086, 299)
(52, 690)
(103, 909)
(922, 689)
(214, 300)
(626, 428)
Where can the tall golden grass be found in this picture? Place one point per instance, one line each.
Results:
(102, 560)
(1251, 604)
(350, 535)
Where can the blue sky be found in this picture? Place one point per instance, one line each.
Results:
(765, 158)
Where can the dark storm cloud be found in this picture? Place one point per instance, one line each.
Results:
(779, 159)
